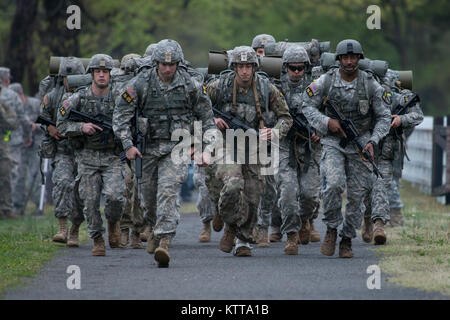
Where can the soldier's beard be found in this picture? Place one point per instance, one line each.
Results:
(101, 85)
(352, 71)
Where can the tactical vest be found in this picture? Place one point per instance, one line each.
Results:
(359, 108)
(100, 107)
(246, 105)
(166, 113)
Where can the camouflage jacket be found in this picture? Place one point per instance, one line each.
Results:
(23, 132)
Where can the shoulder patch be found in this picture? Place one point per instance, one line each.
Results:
(45, 101)
(204, 90)
(129, 94)
(312, 89)
(387, 97)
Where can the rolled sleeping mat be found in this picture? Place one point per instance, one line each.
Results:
(56, 61)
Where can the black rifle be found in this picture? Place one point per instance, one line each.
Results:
(45, 121)
(352, 136)
(400, 110)
(302, 126)
(235, 124)
(99, 120)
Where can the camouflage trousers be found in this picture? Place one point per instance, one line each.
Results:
(132, 216)
(213, 184)
(65, 200)
(339, 170)
(100, 173)
(30, 169)
(5, 177)
(160, 192)
(378, 206)
(240, 196)
(18, 178)
(205, 205)
(267, 208)
(297, 193)
(394, 195)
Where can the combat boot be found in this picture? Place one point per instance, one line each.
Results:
(124, 237)
(135, 240)
(72, 241)
(379, 235)
(146, 234)
(315, 236)
(276, 237)
(61, 236)
(114, 234)
(291, 247)
(304, 233)
(227, 241)
(396, 217)
(162, 252)
(205, 236)
(367, 230)
(329, 243)
(345, 248)
(242, 249)
(217, 222)
(99, 247)
(263, 237)
(152, 243)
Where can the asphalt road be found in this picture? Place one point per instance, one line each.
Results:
(200, 271)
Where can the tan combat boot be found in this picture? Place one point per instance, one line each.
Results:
(227, 241)
(315, 236)
(304, 233)
(396, 217)
(367, 230)
(152, 243)
(276, 237)
(72, 241)
(61, 236)
(329, 243)
(99, 247)
(146, 234)
(291, 247)
(124, 237)
(114, 234)
(379, 235)
(345, 248)
(162, 252)
(205, 236)
(263, 238)
(243, 252)
(217, 222)
(135, 240)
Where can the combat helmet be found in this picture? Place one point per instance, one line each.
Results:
(243, 55)
(348, 46)
(100, 61)
(295, 54)
(149, 50)
(261, 39)
(70, 66)
(168, 51)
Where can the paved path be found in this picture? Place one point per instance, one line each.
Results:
(202, 271)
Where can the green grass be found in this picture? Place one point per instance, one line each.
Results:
(26, 245)
(418, 254)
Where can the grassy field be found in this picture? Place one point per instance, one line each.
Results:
(26, 245)
(418, 254)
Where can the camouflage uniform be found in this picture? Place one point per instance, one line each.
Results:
(29, 170)
(8, 121)
(100, 171)
(391, 150)
(64, 165)
(132, 216)
(205, 205)
(360, 100)
(16, 142)
(165, 108)
(242, 183)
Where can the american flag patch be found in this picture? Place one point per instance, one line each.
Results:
(66, 104)
(131, 92)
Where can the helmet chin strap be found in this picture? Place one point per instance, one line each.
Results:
(350, 73)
